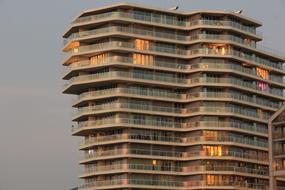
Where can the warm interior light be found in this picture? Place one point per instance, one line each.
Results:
(154, 162)
(262, 73)
(98, 59)
(142, 44)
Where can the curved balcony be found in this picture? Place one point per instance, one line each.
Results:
(186, 170)
(156, 34)
(177, 38)
(169, 81)
(171, 111)
(172, 140)
(193, 155)
(182, 25)
(222, 125)
(194, 185)
(175, 52)
(168, 184)
(169, 66)
(171, 96)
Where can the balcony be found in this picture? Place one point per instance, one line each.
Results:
(171, 111)
(169, 125)
(169, 81)
(164, 95)
(168, 184)
(174, 52)
(193, 155)
(186, 170)
(165, 21)
(174, 140)
(157, 34)
(164, 65)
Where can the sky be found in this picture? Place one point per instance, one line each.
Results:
(37, 151)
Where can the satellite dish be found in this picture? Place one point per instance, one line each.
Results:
(174, 8)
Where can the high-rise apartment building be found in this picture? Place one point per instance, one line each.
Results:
(171, 100)
(277, 150)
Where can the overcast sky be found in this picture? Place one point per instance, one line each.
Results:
(37, 151)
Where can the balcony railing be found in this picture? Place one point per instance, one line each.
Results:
(175, 169)
(174, 154)
(177, 81)
(148, 122)
(173, 65)
(169, 183)
(170, 109)
(178, 140)
(159, 20)
(158, 34)
(171, 95)
(175, 51)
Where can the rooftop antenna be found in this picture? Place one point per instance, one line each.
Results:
(174, 8)
(239, 11)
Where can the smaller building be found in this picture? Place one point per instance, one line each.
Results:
(277, 150)
(75, 188)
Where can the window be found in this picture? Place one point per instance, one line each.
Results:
(99, 59)
(142, 59)
(142, 44)
(262, 73)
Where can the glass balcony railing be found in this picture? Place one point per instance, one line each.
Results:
(172, 139)
(160, 20)
(172, 80)
(175, 96)
(175, 51)
(236, 184)
(174, 154)
(169, 109)
(126, 60)
(158, 34)
(177, 184)
(172, 65)
(157, 123)
(241, 140)
(176, 169)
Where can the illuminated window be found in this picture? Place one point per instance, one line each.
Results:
(219, 49)
(262, 86)
(262, 73)
(142, 59)
(213, 150)
(210, 179)
(98, 59)
(142, 44)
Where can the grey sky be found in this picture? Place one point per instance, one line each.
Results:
(36, 149)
